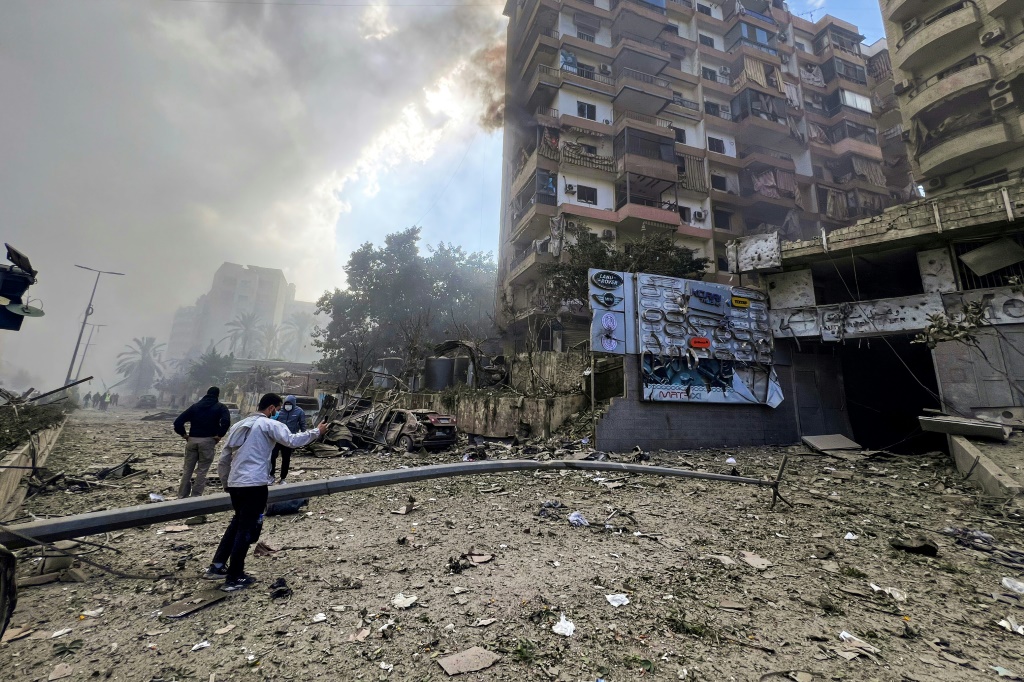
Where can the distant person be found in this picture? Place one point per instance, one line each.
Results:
(244, 468)
(104, 402)
(208, 421)
(174, 401)
(115, 399)
(294, 417)
(87, 399)
(96, 400)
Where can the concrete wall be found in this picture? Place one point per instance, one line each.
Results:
(500, 415)
(967, 379)
(630, 422)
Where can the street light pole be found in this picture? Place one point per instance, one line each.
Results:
(92, 328)
(88, 312)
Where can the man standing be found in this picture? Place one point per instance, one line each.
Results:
(244, 467)
(294, 417)
(208, 421)
(87, 400)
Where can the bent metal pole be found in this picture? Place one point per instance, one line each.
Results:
(79, 525)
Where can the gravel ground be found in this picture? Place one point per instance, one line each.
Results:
(697, 610)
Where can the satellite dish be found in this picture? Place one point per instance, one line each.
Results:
(24, 310)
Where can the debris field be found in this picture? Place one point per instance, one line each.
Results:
(485, 577)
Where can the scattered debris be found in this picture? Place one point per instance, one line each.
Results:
(154, 497)
(61, 671)
(1013, 585)
(279, 589)
(403, 602)
(224, 630)
(851, 536)
(263, 549)
(468, 661)
(202, 645)
(1010, 624)
(359, 635)
(896, 594)
(757, 562)
(319, 618)
(617, 599)
(577, 519)
(920, 545)
(961, 426)
(287, 507)
(484, 622)
(564, 626)
(724, 560)
(200, 600)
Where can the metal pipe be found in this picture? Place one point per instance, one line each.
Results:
(64, 528)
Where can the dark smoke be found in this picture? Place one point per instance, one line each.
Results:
(486, 75)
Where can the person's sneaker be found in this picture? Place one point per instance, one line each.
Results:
(233, 584)
(214, 573)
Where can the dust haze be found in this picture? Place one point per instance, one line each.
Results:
(162, 138)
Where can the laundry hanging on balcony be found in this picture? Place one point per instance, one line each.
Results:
(792, 94)
(817, 134)
(765, 185)
(869, 170)
(732, 184)
(811, 74)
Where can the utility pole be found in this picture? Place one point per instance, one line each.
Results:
(92, 328)
(88, 312)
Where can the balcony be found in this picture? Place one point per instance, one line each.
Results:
(524, 267)
(1000, 8)
(957, 24)
(965, 147)
(653, 124)
(745, 13)
(641, 92)
(638, 18)
(545, 82)
(970, 75)
(639, 53)
(684, 7)
(899, 11)
(573, 153)
(752, 154)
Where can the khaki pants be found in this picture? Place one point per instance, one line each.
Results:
(199, 453)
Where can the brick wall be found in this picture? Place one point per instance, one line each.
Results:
(671, 426)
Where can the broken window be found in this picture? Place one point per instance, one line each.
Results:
(985, 263)
(586, 195)
(716, 145)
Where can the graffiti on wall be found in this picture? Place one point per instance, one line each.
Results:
(698, 341)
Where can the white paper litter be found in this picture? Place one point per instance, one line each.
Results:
(851, 536)
(896, 594)
(202, 645)
(1013, 585)
(402, 602)
(858, 642)
(731, 460)
(564, 627)
(1012, 625)
(617, 599)
(320, 617)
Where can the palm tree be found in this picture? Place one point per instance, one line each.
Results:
(270, 339)
(142, 363)
(299, 326)
(245, 331)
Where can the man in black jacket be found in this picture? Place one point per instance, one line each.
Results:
(208, 421)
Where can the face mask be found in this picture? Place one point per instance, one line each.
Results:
(288, 408)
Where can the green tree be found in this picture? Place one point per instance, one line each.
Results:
(141, 364)
(244, 332)
(653, 252)
(210, 369)
(298, 329)
(400, 302)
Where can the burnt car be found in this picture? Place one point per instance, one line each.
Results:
(146, 402)
(362, 422)
(411, 429)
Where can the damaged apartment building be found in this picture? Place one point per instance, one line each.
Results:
(709, 120)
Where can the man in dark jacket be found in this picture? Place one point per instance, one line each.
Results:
(294, 417)
(208, 421)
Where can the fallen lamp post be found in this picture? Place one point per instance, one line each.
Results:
(79, 525)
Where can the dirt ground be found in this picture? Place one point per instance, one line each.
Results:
(697, 610)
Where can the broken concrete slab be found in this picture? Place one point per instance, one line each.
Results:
(468, 661)
(200, 600)
(959, 426)
(830, 442)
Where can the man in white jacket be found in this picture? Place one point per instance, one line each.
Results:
(244, 469)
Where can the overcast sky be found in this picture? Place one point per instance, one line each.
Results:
(161, 138)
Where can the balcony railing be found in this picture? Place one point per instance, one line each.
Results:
(956, 7)
(757, 149)
(625, 35)
(947, 135)
(547, 111)
(743, 42)
(575, 154)
(725, 114)
(639, 3)
(646, 201)
(687, 103)
(685, 3)
(973, 60)
(589, 74)
(642, 77)
(757, 15)
(642, 118)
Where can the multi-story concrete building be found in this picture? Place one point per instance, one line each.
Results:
(236, 290)
(896, 164)
(712, 121)
(957, 69)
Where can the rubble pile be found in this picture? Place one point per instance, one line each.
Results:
(567, 575)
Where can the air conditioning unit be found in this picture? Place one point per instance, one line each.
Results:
(1004, 101)
(607, 121)
(783, 37)
(699, 215)
(911, 25)
(998, 88)
(932, 184)
(724, 70)
(785, 58)
(992, 37)
(901, 86)
(606, 69)
(608, 234)
(572, 225)
(570, 189)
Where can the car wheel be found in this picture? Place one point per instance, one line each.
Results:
(406, 443)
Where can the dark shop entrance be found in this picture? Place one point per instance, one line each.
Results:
(888, 384)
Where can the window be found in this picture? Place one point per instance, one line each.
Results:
(718, 182)
(999, 176)
(680, 135)
(801, 46)
(589, 149)
(684, 213)
(585, 70)
(584, 110)
(722, 219)
(586, 195)
(857, 101)
(706, 40)
(709, 74)
(704, 9)
(713, 108)
(716, 145)
(589, 37)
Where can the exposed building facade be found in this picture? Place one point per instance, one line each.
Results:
(899, 173)
(236, 290)
(957, 68)
(711, 121)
